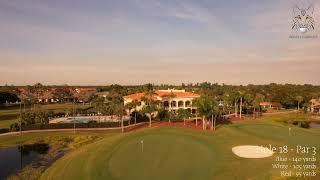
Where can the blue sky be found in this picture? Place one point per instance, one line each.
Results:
(159, 41)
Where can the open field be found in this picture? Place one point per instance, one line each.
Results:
(177, 153)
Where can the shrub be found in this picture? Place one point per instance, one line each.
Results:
(140, 117)
(4, 130)
(302, 124)
(70, 125)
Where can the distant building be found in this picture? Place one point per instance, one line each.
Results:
(170, 99)
(266, 105)
(315, 105)
(103, 94)
(47, 95)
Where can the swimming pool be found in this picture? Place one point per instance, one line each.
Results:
(80, 120)
(87, 119)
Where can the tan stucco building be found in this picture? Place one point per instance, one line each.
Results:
(179, 99)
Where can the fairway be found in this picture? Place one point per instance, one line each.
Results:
(177, 153)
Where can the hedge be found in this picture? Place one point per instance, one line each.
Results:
(4, 130)
(70, 125)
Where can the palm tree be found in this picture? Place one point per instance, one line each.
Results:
(196, 117)
(235, 98)
(114, 105)
(204, 105)
(99, 105)
(169, 97)
(120, 111)
(248, 99)
(219, 113)
(132, 105)
(150, 108)
(213, 112)
(256, 102)
(183, 114)
(299, 99)
(151, 105)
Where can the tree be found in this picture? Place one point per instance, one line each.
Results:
(120, 111)
(248, 99)
(235, 95)
(241, 94)
(114, 105)
(151, 105)
(36, 116)
(256, 102)
(163, 114)
(6, 97)
(150, 108)
(85, 96)
(214, 110)
(204, 107)
(132, 105)
(299, 99)
(169, 97)
(99, 105)
(183, 114)
(62, 93)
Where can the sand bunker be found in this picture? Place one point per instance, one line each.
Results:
(248, 151)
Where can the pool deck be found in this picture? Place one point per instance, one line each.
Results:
(97, 118)
(129, 127)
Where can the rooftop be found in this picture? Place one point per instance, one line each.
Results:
(164, 93)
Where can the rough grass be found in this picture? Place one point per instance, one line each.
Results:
(59, 145)
(177, 153)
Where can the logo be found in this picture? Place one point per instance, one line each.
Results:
(303, 20)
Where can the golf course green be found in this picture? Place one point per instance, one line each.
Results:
(179, 153)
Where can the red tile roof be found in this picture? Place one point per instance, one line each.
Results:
(138, 96)
(265, 103)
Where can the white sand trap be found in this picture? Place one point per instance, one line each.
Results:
(248, 151)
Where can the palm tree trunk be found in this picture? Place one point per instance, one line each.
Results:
(135, 118)
(122, 129)
(203, 124)
(214, 125)
(298, 106)
(240, 108)
(169, 112)
(211, 121)
(196, 120)
(99, 116)
(150, 121)
(129, 116)
(235, 109)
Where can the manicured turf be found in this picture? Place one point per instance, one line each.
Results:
(177, 153)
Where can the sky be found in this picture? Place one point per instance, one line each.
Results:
(101, 42)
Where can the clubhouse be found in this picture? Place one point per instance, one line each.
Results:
(170, 99)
